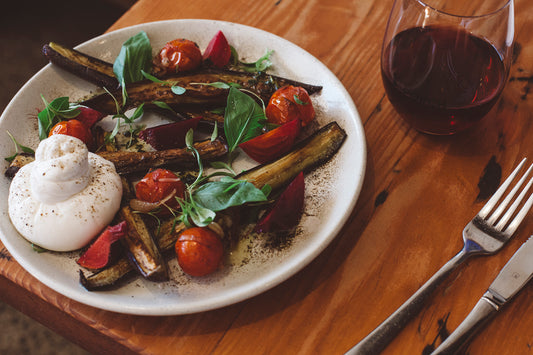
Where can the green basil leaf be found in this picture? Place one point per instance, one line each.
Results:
(259, 65)
(298, 101)
(17, 147)
(163, 105)
(50, 115)
(228, 192)
(135, 55)
(153, 78)
(178, 90)
(242, 119)
(136, 114)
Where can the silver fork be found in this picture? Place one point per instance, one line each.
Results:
(485, 234)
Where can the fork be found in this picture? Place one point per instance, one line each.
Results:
(485, 234)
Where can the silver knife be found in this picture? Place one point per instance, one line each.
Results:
(514, 275)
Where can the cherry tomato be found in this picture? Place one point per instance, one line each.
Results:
(73, 128)
(289, 103)
(159, 185)
(272, 144)
(179, 55)
(199, 251)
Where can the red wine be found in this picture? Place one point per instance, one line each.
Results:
(441, 79)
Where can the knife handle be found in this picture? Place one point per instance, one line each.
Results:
(480, 314)
(379, 338)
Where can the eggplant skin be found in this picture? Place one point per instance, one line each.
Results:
(196, 92)
(141, 248)
(86, 67)
(128, 162)
(111, 276)
(307, 155)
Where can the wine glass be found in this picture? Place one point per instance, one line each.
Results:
(444, 63)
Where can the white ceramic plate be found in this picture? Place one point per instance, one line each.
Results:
(331, 191)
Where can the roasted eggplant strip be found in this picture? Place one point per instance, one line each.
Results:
(311, 152)
(89, 68)
(141, 248)
(101, 73)
(196, 92)
(108, 276)
(168, 232)
(128, 162)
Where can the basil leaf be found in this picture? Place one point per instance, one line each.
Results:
(298, 101)
(17, 147)
(153, 78)
(135, 55)
(259, 65)
(178, 90)
(163, 105)
(228, 192)
(52, 114)
(242, 119)
(199, 215)
(139, 111)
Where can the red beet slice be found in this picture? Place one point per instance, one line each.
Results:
(170, 135)
(88, 116)
(287, 210)
(100, 252)
(218, 50)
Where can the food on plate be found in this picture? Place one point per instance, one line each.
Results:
(141, 247)
(89, 68)
(160, 188)
(73, 128)
(218, 51)
(289, 103)
(272, 144)
(199, 251)
(169, 201)
(286, 211)
(178, 55)
(308, 154)
(65, 197)
(202, 88)
(131, 161)
(101, 252)
(170, 135)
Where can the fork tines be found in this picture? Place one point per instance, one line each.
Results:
(496, 219)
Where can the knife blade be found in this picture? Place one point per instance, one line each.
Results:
(511, 279)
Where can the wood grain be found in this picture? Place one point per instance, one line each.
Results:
(418, 194)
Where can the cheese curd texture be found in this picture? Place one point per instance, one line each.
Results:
(65, 197)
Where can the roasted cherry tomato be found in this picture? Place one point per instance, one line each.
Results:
(179, 55)
(289, 103)
(199, 251)
(159, 185)
(73, 128)
(272, 144)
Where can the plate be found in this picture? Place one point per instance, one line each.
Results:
(331, 191)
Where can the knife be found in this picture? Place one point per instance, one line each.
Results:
(514, 275)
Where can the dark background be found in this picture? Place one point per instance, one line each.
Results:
(24, 27)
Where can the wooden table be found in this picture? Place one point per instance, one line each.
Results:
(418, 194)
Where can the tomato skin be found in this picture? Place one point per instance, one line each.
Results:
(73, 128)
(272, 144)
(158, 185)
(283, 107)
(179, 55)
(199, 251)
